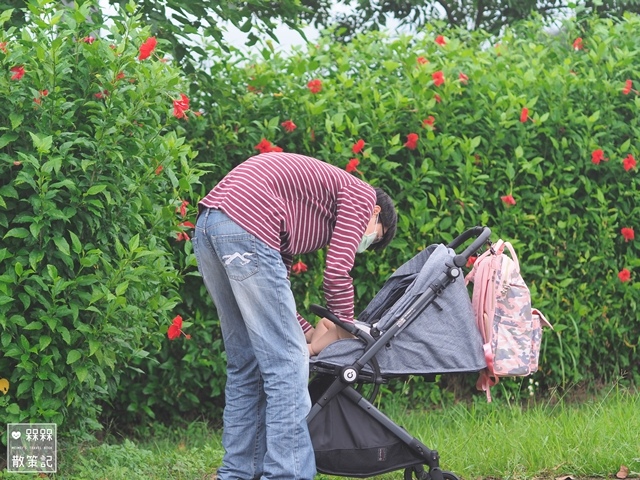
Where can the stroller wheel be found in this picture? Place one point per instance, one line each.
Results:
(418, 473)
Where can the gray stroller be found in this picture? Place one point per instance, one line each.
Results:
(420, 323)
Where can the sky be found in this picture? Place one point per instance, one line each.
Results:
(287, 37)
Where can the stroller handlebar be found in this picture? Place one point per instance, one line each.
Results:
(482, 235)
(326, 313)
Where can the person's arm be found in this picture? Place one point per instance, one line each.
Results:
(355, 205)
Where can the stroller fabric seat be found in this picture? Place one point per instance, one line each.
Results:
(443, 338)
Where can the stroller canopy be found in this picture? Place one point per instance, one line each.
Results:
(442, 339)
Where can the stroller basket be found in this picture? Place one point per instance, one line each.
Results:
(420, 323)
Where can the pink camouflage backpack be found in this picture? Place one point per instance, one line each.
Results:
(510, 328)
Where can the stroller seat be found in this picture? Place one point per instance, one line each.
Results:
(443, 338)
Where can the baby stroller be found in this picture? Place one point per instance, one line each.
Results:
(420, 323)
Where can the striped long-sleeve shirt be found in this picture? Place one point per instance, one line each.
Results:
(298, 204)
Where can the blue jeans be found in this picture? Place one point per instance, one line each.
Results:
(265, 433)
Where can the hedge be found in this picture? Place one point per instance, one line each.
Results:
(532, 134)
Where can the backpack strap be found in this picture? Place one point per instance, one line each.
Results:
(485, 382)
(514, 257)
(543, 320)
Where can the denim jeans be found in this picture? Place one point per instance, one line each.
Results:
(265, 433)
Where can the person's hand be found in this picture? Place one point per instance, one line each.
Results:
(309, 334)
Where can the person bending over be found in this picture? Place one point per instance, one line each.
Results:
(250, 225)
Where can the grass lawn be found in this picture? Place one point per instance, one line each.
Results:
(554, 439)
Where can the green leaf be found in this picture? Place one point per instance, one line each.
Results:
(7, 138)
(594, 118)
(390, 65)
(73, 356)
(41, 143)
(94, 346)
(44, 342)
(6, 16)
(96, 189)
(81, 373)
(75, 242)
(519, 152)
(62, 245)
(16, 119)
(625, 146)
(37, 389)
(17, 233)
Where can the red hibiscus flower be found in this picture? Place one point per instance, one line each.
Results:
(175, 329)
(412, 141)
(102, 94)
(3, 47)
(624, 275)
(89, 39)
(147, 48)
(524, 115)
(577, 44)
(627, 233)
(120, 76)
(471, 261)
(422, 60)
(265, 146)
(180, 106)
(159, 169)
(440, 40)
(438, 78)
(437, 97)
(315, 86)
(463, 78)
(352, 166)
(358, 146)
(299, 268)
(18, 72)
(508, 199)
(629, 162)
(182, 209)
(627, 87)
(597, 156)
(184, 236)
(289, 126)
(429, 122)
(41, 93)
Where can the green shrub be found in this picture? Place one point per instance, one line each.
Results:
(569, 212)
(94, 169)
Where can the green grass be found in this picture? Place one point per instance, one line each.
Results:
(592, 438)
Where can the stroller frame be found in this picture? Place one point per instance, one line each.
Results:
(346, 377)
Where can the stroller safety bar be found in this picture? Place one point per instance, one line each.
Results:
(482, 235)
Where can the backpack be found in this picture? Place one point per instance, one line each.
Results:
(511, 330)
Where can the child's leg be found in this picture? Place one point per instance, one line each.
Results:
(322, 328)
(330, 335)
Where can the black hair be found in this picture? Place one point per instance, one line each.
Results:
(388, 217)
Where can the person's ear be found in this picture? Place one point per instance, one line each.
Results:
(376, 210)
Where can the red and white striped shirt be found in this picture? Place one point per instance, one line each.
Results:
(298, 204)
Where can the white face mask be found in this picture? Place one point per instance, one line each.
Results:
(366, 242)
(368, 239)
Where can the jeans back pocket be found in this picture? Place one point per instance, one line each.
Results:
(237, 252)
